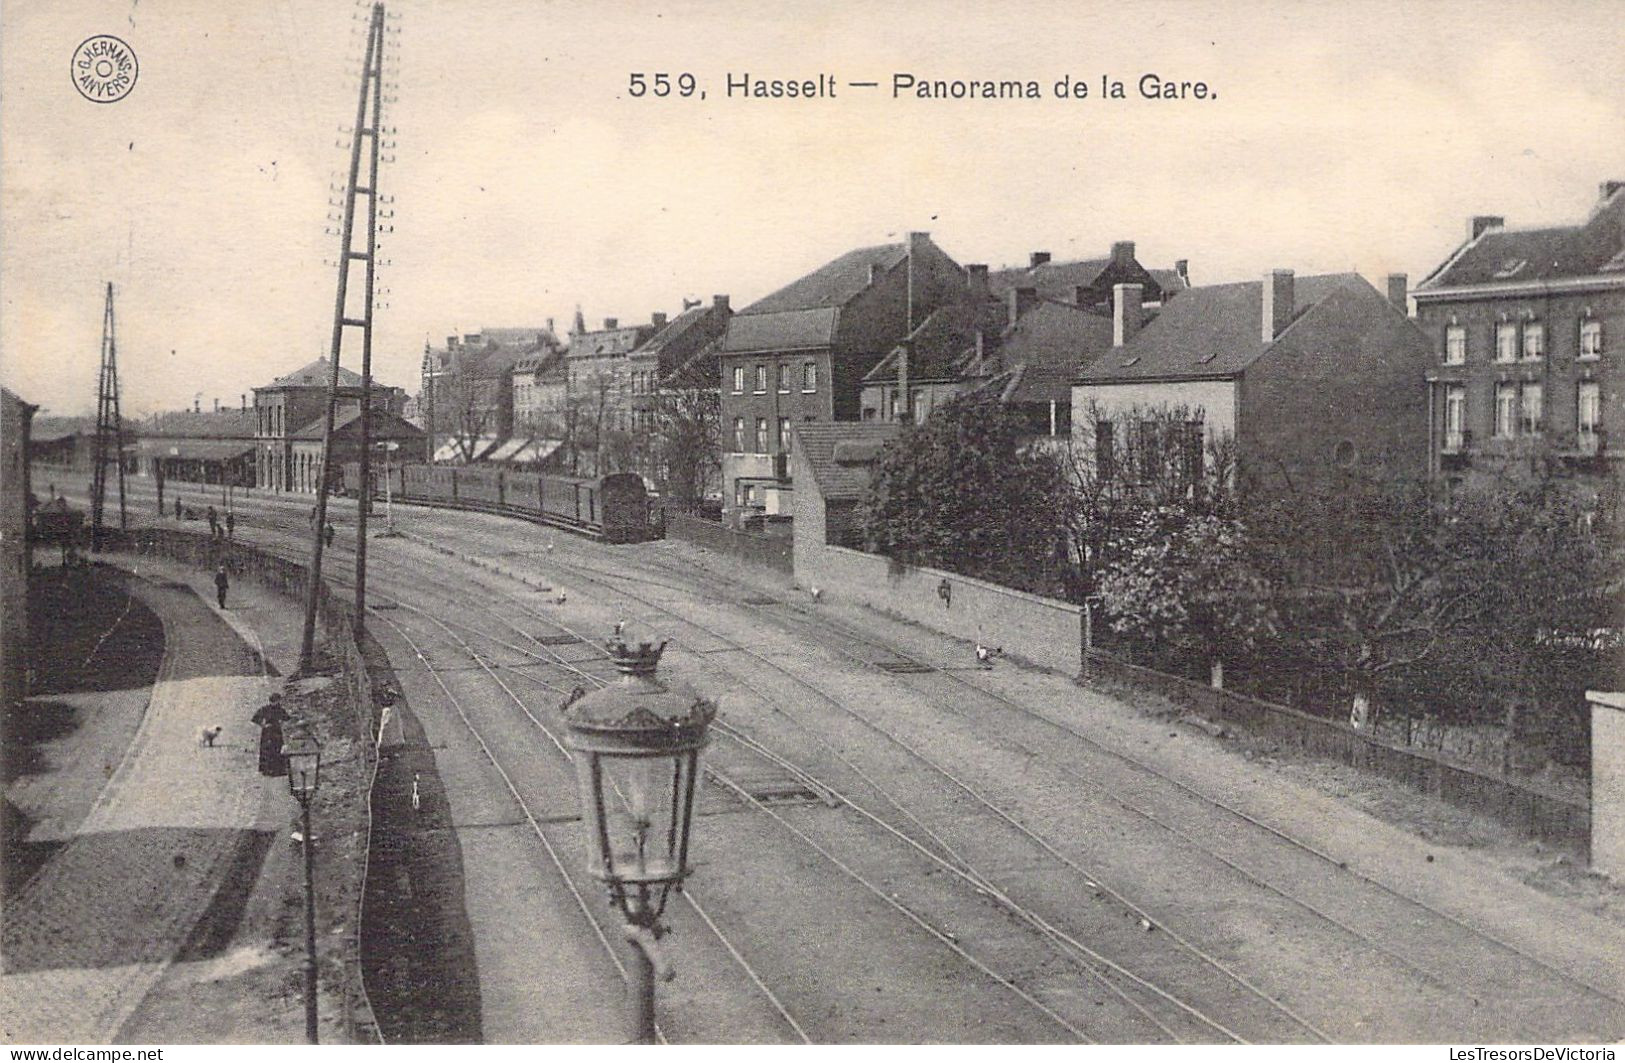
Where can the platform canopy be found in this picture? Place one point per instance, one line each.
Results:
(194, 449)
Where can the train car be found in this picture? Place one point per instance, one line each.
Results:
(479, 487)
(623, 508)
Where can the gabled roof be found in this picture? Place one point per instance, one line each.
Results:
(703, 370)
(1208, 332)
(1054, 280)
(1045, 349)
(689, 332)
(833, 284)
(314, 375)
(943, 346)
(615, 341)
(50, 429)
(841, 454)
(1171, 281)
(1519, 256)
(783, 330)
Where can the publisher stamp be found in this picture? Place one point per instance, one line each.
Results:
(104, 69)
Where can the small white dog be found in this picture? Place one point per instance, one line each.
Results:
(207, 735)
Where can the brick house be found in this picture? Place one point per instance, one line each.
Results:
(470, 397)
(652, 367)
(1089, 282)
(800, 355)
(289, 403)
(306, 451)
(1527, 336)
(1306, 374)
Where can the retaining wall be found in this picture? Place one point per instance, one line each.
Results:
(1523, 806)
(770, 551)
(1042, 631)
(364, 694)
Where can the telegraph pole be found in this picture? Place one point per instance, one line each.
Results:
(109, 442)
(367, 114)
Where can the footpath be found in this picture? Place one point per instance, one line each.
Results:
(121, 934)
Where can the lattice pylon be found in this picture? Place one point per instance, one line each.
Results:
(108, 445)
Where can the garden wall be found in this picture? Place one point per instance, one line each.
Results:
(770, 551)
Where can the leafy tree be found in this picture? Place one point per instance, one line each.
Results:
(963, 491)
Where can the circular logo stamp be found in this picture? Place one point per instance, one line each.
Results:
(104, 69)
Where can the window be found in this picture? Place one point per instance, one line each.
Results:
(761, 380)
(1529, 421)
(1506, 411)
(1455, 345)
(739, 380)
(1455, 417)
(809, 376)
(739, 433)
(761, 435)
(1506, 342)
(784, 433)
(1590, 338)
(1105, 460)
(1534, 339)
(785, 376)
(1588, 416)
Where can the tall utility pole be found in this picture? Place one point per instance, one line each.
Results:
(367, 113)
(109, 442)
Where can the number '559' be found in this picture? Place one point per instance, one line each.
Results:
(639, 84)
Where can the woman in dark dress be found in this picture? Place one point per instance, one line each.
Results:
(270, 718)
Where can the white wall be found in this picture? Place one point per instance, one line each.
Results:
(1215, 398)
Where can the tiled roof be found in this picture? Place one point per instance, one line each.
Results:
(1047, 347)
(609, 341)
(1515, 256)
(703, 370)
(385, 425)
(833, 284)
(49, 429)
(944, 344)
(1207, 332)
(315, 375)
(224, 424)
(846, 479)
(784, 330)
(1171, 281)
(1054, 280)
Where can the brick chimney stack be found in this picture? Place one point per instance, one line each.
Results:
(1479, 224)
(1182, 266)
(721, 302)
(1038, 258)
(611, 323)
(243, 401)
(976, 282)
(1399, 292)
(1127, 314)
(1021, 300)
(1123, 253)
(658, 319)
(1608, 188)
(1278, 303)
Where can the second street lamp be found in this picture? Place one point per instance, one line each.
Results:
(637, 745)
(304, 756)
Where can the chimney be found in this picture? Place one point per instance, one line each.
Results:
(1399, 292)
(658, 318)
(1182, 267)
(1126, 313)
(718, 301)
(1021, 301)
(610, 323)
(1608, 188)
(1037, 258)
(216, 405)
(197, 404)
(244, 401)
(976, 282)
(451, 343)
(1123, 253)
(874, 272)
(550, 331)
(1479, 223)
(1277, 303)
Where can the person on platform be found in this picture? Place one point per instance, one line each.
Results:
(270, 718)
(214, 522)
(221, 583)
(231, 525)
(328, 535)
(177, 505)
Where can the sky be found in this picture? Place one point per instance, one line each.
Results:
(527, 181)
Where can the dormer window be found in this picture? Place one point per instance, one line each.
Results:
(1534, 340)
(1455, 345)
(1511, 268)
(1590, 338)
(1506, 342)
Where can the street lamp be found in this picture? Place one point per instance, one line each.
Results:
(304, 756)
(637, 744)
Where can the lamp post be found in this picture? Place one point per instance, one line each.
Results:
(637, 745)
(304, 757)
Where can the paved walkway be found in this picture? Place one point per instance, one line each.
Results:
(98, 926)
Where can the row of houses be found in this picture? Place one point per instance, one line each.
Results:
(1515, 351)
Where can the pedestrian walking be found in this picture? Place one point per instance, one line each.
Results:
(214, 521)
(328, 535)
(270, 718)
(177, 505)
(220, 585)
(231, 525)
(313, 516)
